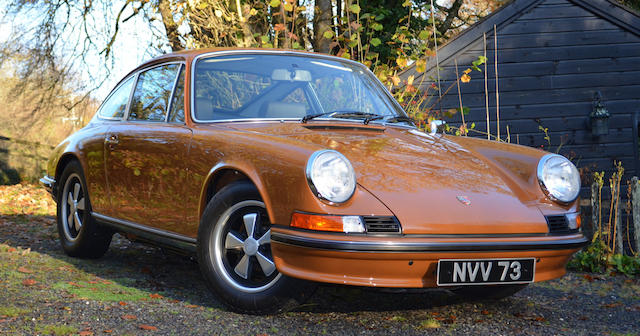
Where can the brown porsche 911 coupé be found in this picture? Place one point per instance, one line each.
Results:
(279, 169)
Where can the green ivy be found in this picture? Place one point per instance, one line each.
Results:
(597, 258)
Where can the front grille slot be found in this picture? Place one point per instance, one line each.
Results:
(381, 224)
(558, 224)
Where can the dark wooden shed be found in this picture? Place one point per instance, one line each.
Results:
(553, 57)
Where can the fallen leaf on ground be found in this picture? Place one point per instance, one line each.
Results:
(147, 327)
(22, 269)
(107, 331)
(29, 282)
(155, 296)
(612, 305)
(484, 312)
(539, 318)
(191, 306)
(122, 303)
(85, 333)
(128, 317)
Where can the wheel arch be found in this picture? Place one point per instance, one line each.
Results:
(64, 160)
(224, 174)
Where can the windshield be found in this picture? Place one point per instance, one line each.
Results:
(257, 86)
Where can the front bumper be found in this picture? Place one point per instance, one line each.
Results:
(409, 261)
(49, 183)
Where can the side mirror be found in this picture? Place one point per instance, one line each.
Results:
(437, 125)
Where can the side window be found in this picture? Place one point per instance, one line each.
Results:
(116, 103)
(152, 93)
(177, 103)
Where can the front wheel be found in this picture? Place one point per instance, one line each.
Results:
(234, 253)
(80, 235)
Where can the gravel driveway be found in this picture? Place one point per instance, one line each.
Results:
(137, 290)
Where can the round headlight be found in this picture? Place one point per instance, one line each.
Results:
(559, 178)
(331, 176)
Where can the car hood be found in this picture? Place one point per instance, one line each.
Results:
(434, 184)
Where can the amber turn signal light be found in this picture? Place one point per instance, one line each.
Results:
(330, 223)
(574, 220)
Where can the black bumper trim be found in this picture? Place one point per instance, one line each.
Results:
(368, 246)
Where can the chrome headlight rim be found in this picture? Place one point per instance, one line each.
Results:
(540, 175)
(312, 186)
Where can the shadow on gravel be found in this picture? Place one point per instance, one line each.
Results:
(129, 264)
(166, 291)
(177, 277)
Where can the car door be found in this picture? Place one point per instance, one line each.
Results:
(147, 153)
(110, 112)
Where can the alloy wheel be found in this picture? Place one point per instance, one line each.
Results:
(73, 207)
(243, 247)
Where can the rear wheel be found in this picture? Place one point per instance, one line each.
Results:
(489, 292)
(79, 233)
(234, 253)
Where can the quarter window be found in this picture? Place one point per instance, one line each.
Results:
(177, 104)
(152, 93)
(116, 103)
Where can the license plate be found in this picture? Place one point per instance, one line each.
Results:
(456, 272)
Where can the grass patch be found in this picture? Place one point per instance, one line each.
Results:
(102, 291)
(12, 311)
(58, 330)
(430, 324)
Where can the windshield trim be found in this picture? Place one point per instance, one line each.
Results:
(297, 120)
(284, 53)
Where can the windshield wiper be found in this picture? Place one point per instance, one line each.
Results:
(399, 119)
(367, 117)
(313, 116)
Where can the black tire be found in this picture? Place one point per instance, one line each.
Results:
(81, 236)
(489, 292)
(224, 242)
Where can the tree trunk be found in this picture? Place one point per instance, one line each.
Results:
(452, 13)
(321, 24)
(170, 26)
